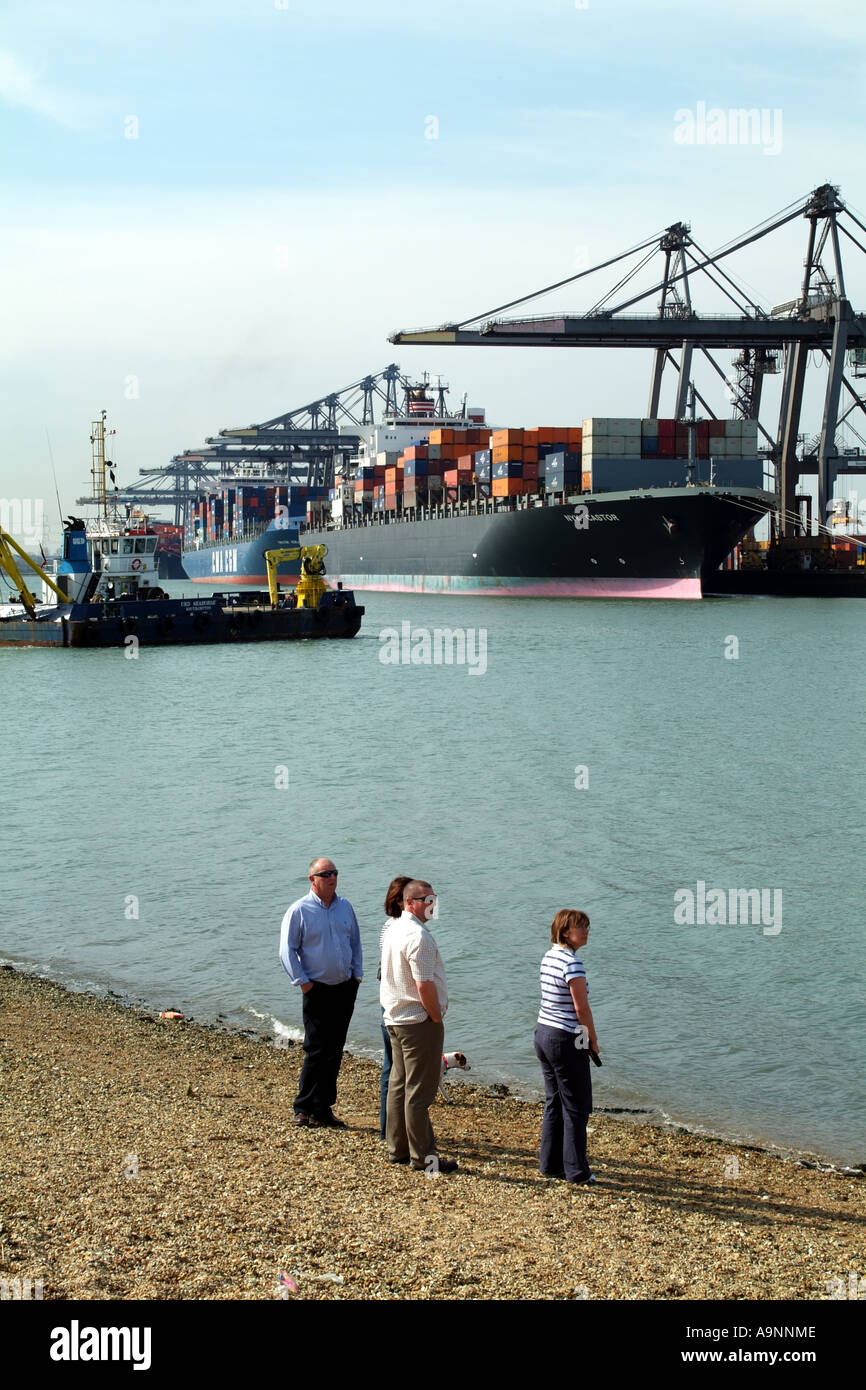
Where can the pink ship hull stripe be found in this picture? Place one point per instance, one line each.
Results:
(686, 588)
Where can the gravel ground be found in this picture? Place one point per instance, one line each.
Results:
(145, 1159)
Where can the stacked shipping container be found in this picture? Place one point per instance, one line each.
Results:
(456, 465)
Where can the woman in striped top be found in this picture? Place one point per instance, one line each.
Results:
(565, 1014)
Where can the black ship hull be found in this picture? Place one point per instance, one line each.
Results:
(657, 543)
(173, 622)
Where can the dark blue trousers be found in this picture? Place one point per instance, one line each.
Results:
(567, 1104)
(386, 1076)
(327, 1015)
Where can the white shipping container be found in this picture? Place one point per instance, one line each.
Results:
(597, 426)
(629, 425)
(649, 429)
(617, 445)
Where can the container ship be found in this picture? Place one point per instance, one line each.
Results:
(434, 504)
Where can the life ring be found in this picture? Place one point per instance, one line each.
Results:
(136, 564)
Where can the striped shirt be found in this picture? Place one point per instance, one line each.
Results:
(409, 954)
(558, 967)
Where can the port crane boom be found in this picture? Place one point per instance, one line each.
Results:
(820, 319)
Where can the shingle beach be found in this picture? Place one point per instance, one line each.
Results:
(148, 1159)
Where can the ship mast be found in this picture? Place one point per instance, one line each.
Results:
(98, 467)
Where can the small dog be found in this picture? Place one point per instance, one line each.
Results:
(449, 1061)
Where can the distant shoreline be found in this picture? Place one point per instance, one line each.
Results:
(147, 1159)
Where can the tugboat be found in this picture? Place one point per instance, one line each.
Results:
(104, 592)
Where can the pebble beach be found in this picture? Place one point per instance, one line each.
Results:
(151, 1159)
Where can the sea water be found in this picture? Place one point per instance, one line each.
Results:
(690, 774)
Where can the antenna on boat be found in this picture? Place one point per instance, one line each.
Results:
(54, 476)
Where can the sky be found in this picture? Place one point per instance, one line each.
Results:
(215, 213)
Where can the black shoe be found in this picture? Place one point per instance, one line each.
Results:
(439, 1165)
(329, 1121)
(299, 1118)
(399, 1160)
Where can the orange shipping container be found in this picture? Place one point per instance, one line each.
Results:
(575, 436)
(530, 454)
(507, 487)
(499, 438)
(507, 453)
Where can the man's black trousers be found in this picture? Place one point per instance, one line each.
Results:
(327, 1014)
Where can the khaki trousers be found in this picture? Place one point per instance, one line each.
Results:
(415, 1072)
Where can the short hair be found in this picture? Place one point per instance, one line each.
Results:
(394, 895)
(565, 919)
(416, 888)
(318, 859)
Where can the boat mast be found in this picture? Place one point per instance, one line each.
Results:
(98, 468)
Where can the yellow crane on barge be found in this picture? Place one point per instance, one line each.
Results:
(9, 548)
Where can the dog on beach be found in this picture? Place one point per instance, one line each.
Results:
(450, 1060)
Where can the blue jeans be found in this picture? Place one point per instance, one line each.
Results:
(386, 1075)
(567, 1104)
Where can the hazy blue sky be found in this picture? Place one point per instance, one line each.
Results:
(303, 179)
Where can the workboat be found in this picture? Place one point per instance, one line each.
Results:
(103, 592)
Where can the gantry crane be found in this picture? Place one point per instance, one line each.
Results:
(820, 319)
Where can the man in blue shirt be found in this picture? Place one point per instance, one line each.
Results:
(320, 950)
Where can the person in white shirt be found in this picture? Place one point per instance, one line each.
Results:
(414, 996)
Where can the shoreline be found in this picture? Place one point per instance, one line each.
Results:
(647, 1114)
(147, 1159)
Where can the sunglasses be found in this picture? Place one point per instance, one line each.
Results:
(329, 873)
(431, 898)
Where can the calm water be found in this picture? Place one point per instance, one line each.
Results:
(149, 786)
